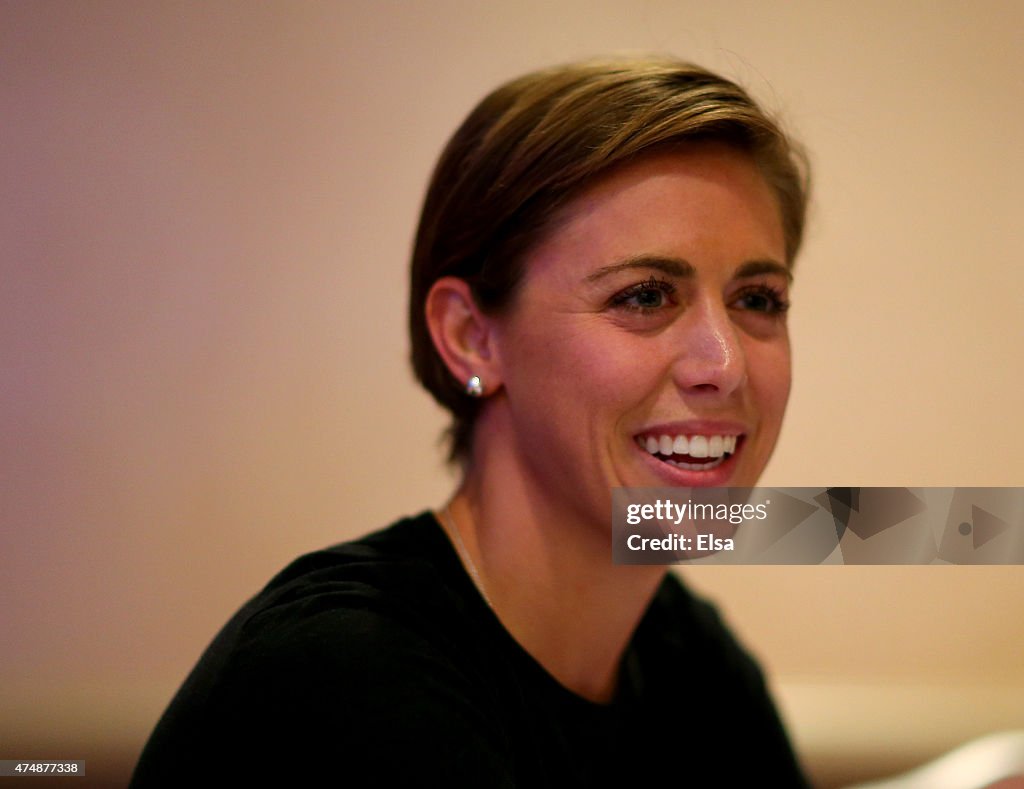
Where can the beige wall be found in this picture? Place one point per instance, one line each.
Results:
(205, 220)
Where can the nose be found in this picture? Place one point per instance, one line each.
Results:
(710, 359)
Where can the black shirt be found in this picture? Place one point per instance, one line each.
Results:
(377, 663)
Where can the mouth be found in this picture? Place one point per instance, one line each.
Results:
(695, 452)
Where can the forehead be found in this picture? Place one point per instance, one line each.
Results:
(708, 204)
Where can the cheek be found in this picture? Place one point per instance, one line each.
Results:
(769, 368)
(612, 370)
(577, 370)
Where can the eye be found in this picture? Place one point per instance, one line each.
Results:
(762, 298)
(647, 296)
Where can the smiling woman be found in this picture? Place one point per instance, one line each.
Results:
(654, 309)
(599, 295)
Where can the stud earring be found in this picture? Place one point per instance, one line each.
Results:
(475, 387)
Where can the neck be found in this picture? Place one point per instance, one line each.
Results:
(549, 577)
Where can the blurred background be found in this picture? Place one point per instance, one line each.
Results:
(206, 215)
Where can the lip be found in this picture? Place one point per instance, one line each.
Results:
(706, 427)
(673, 476)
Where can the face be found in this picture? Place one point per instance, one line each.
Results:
(647, 345)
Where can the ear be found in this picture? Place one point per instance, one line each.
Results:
(463, 335)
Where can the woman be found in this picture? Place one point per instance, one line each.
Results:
(599, 293)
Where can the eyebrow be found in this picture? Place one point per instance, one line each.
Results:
(677, 267)
(757, 267)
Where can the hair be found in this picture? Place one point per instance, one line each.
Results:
(533, 144)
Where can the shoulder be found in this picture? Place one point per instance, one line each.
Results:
(692, 660)
(688, 650)
(355, 609)
(404, 574)
(681, 615)
(371, 610)
(320, 661)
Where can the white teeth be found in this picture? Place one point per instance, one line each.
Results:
(694, 446)
(699, 447)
